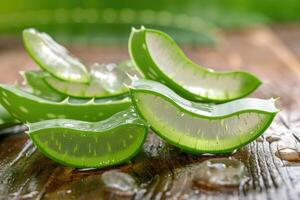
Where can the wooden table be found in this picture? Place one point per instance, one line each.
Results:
(162, 171)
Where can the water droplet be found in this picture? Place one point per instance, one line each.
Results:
(118, 182)
(259, 139)
(288, 147)
(85, 169)
(69, 125)
(220, 172)
(29, 195)
(288, 154)
(273, 138)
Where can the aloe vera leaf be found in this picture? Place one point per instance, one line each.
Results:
(200, 127)
(90, 144)
(36, 80)
(53, 57)
(6, 119)
(159, 58)
(27, 107)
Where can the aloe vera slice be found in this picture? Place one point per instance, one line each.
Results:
(6, 119)
(30, 108)
(90, 144)
(36, 80)
(106, 81)
(53, 57)
(159, 58)
(200, 127)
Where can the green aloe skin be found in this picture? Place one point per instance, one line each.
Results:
(6, 119)
(90, 144)
(27, 107)
(200, 127)
(159, 58)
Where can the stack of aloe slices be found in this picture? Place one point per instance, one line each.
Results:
(90, 118)
(71, 92)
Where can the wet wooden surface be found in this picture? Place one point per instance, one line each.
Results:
(161, 171)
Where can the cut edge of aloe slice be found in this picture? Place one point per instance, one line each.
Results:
(53, 57)
(91, 139)
(138, 46)
(80, 90)
(107, 80)
(205, 122)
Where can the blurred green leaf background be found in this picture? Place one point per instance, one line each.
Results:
(108, 21)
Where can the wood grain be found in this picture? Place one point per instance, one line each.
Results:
(162, 171)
